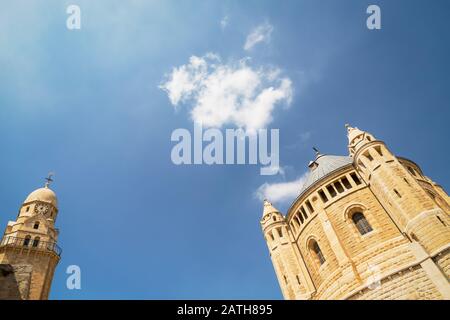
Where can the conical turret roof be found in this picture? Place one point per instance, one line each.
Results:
(269, 208)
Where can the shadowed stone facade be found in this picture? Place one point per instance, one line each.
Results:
(15, 281)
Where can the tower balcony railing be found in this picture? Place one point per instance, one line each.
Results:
(33, 244)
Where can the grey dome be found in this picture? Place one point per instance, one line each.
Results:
(322, 166)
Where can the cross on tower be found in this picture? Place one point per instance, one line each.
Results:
(49, 179)
(316, 150)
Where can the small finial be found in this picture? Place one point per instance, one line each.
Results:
(348, 127)
(49, 179)
(316, 150)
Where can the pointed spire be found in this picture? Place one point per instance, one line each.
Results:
(357, 138)
(349, 128)
(352, 132)
(269, 208)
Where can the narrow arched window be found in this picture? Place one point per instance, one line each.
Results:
(36, 242)
(317, 252)
(26, 241)
(361, 223)
(280, 232)
(441, 221)
(414, 237)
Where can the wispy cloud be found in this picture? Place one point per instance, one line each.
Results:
(224, 22)
(282, 192)
(227, 93)
(305, 136)
(261, 33)
(273, 170)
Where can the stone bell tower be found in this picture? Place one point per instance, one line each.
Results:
(410, 199)
(289, 267)
(412, 208)
(28, 250)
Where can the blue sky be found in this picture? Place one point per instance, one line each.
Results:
(88, 105)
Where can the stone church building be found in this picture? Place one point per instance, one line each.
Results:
(369, 225)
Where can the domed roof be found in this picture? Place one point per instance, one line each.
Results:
(43, 194)
(322, 166)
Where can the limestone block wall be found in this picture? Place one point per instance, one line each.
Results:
(443, 261)
(367, 266)
(365, 202)
(314, 231)
(15, 281)
(286, 262)
(413, 283)
(43, 265)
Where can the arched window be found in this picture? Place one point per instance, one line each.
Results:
(26, 241)
(297, 220)
(378, 149)
(36, 225)
(314, 246)
(280, 232)
(36, 241)
(361, 223)
(413, 172)
(441, 221)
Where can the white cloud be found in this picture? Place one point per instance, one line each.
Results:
(224, 22)
(282, 192)
(259, 34)
(228, 93)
